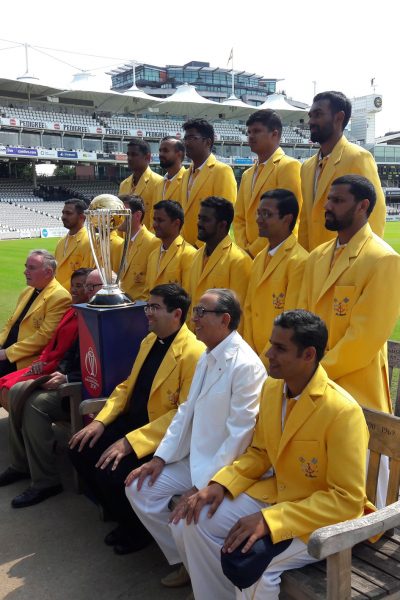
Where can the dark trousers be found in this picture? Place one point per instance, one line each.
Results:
(107, 486)
(7, 367)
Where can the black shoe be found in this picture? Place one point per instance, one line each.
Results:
(34, 496)
(10, 475)
(116, 536)
(129, 545)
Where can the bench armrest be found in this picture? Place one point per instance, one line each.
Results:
(88, 407)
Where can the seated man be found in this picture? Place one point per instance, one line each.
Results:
(213, 427)
(311, 438)
(31, 435)
(38, 312)
(138, 412)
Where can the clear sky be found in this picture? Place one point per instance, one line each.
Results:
(339, 45)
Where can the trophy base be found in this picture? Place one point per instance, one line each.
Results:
(109, 298)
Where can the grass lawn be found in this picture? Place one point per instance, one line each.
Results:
(13, 254)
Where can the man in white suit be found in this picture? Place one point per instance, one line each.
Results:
(209, 430)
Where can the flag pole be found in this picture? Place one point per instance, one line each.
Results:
(233, 76)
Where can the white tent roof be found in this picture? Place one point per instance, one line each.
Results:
(288, 113)
(186, 101)
(234, 108)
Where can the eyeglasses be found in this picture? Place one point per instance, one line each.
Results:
(200, 311)
(189, 138)
(91, 286)
(266, 214)
(151, 308)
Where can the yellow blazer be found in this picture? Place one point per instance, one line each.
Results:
(133, 280)
(228, 267)
(78, 256)
(173, 191)
(169, 389)
(214, 179)
(281, 171)
(146, 188)
(345, 159)
(175, 265)
(319, 460)
(360, 311)
(116, 249)
(39, 323)
(271, 291)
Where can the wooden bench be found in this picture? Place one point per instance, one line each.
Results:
(355, 568)
(394, 374)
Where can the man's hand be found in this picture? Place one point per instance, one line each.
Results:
(151, 469)
(115, 453)
(56, 379)
(181, 508)
(3, 355)
(252, 527)
(212, 494)
(37, 368)
(91, 432)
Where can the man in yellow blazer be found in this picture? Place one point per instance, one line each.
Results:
(136, 416)
(206, 176)
(141, 245)
(220, 263)
(171, 153)
(273, 170)
(38, 312)
(143, 182)
(276, 272)
(304, 469)
(329, 115)
(73, 251)
(172, 261)
(346, 284)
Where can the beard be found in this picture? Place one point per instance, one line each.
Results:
(321, 135)
(332, 223)
(166, 164)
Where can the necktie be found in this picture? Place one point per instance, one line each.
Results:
(160, 259)
(338, 251)
(257, 175)
(192, 179)
(167, 183)
(321, 166)
(290, 404)
(267, 261)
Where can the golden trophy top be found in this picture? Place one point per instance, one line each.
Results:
(111, 203)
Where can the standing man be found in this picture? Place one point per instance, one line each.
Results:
(311, 438)
(73, 251)
(38, 312)
(209, 430)
(138, 413)
(328, 116)
(143, 182)
(205, 177)
(172, 153)
(141, 245)
(277, 271)
(346, 283)
(172, 261)
(273, 170)
(220, 262)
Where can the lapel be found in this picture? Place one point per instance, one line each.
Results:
(170, 253)
(305, 406)
(135, 246)
(330, 168)
(175, 185)
(72, 244)
(46, 292)
(170, 359)
(221, 365)
(215, 257)
(266, 173)
(143, 181)
(278, 257)
(200, 180)
(352, 250)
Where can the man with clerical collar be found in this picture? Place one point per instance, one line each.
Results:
(142, 243)
(73, 250)
(206, 176)
(276, 272)
(220, 262)
(38, 312)
(329, 114)
(143, 182)
(171, 153)
(305, 468)
(272, 170)
(135, 417)
(172, 261)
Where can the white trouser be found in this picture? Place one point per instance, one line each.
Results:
(202, 544)
(383, 480)
(151, 504)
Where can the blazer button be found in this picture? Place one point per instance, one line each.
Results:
(281, 486)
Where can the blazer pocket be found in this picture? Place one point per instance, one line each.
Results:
(342, 305)
(307, 457)
(172, 275)
(278, 294)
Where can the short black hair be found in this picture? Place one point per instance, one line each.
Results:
(80, 205)
(286, 202)
(267, 117)
(142, 145)
(135, 203)
(308, 330)
(81, 273)
(205, 128)
(224, 210)
(360, 187)
(173, 209)
(338, 101)
(180, 146)
(229, 303)
(174, 296)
